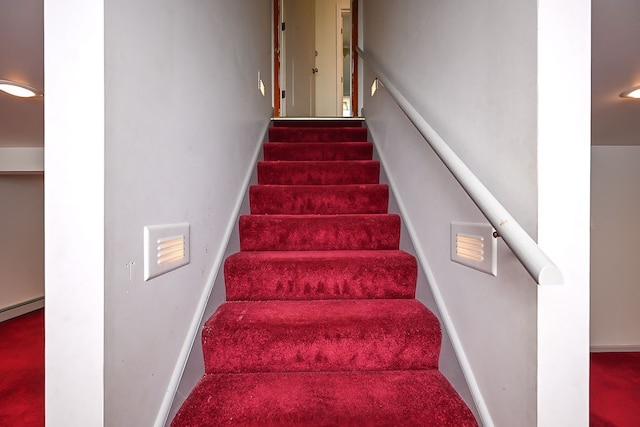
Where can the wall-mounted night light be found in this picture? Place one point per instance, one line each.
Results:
(633, 93)
(374, 86)
(261, 87)
(19, 89)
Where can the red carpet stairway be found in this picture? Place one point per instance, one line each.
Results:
(321, 327)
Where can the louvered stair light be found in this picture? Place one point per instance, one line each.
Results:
(473, 245)
(166, 247)
(20, 90)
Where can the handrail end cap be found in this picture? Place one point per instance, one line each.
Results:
(550, 275)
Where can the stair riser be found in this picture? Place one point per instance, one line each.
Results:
(321, 326)
(317, 233)
(303, 200)
(318, 173)
(271, 276)
(318, 151)
(318, 123)
(314, 399)
(309, 134)
(314, 336)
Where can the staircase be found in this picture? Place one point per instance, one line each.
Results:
(321, 326)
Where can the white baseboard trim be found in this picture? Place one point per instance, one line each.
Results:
(183, 358)
(447, 323)
(22, 308)
(615, 348)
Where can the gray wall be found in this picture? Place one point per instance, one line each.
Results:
(163, 128)
(21, 125)
(460, 77)
(183, 120)
(22, 50)
(22, 243)
(615, 293)
(479, 72)
(615, 231)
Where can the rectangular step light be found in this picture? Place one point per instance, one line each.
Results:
(473, 245)
(166, 247)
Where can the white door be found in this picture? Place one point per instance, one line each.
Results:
(330, 56)
(326, 58)
(299, 57)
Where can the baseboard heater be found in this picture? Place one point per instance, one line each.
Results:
(615, 348)
(21, 308)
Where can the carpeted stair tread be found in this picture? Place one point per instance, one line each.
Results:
(310, 275)
(320, 172)
(319, 232)
(328, 335)
(314, 399)
(321, 326)
(318, 151)
(317, 134)
(319, 199)
(314, 123)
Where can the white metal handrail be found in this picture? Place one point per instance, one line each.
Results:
(534, 260)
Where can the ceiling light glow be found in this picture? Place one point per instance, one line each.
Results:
(19, 89)
(633, 93)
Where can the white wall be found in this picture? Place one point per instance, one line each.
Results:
(471, 70)
(184, 118)
(564, 160)
(74, 213)
(615, 202)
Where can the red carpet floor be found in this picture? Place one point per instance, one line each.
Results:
(615, 389)
(321, 325)
(22, 371)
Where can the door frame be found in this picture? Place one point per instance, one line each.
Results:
(354, 58)
(276, 58)
(277, 68)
